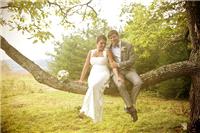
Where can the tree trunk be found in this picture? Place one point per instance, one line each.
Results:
(149, 78)
(192, 9)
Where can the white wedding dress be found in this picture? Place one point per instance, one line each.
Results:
(98, 78)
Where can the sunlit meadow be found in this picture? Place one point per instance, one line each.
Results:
(27, 106)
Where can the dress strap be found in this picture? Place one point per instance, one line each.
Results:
(93, 51)
(104, 53)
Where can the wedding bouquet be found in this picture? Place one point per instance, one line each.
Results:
(63, 75)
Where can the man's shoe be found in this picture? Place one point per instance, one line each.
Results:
(126, 110)
(134, 116)
(133, 112)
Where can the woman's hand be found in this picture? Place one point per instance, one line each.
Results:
(80, 82)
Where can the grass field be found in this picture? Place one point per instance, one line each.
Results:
(30, 107)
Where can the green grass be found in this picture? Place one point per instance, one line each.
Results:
(27, 106)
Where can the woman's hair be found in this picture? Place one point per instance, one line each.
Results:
(101, 37)
(110, 33)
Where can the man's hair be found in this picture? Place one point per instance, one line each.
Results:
(101, 37)
(110, 33)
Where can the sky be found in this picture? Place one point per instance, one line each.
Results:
(110, 11)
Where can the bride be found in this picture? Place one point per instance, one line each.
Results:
(98, 77)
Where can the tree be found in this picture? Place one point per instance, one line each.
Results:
(33, 17)
(70, 53)
(157, 34)
(193, 14)
(189, 67)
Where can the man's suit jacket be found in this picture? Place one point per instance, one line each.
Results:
(127, 56)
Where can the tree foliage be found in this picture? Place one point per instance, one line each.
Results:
(34, 17)
(70, 55)
(158, 35)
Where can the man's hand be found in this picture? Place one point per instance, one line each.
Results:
(120, 78)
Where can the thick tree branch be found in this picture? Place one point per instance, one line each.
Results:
(150, 78)
(169, 71)
(40, 75)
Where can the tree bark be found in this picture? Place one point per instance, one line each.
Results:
(150, 78)
(192, 9)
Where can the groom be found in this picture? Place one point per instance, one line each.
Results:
(124, 60)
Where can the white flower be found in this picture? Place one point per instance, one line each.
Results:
(62, 75)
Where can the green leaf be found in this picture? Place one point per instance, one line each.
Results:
(35, 41)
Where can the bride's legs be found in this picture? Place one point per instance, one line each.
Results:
(93, 100)
(85, 106)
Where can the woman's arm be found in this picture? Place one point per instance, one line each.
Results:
(85, 67)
